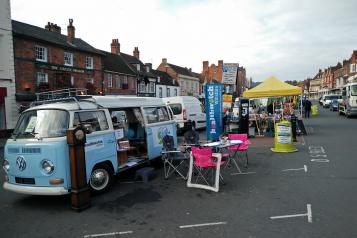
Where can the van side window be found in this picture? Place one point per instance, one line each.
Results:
(176, 108)
(163, 114)
(151, 114)
(93, 120)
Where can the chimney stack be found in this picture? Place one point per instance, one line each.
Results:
(220, 63)
(164, 61)
(205, 66)
(115, 46)
(53, 27)
(70, 31)
(148, 67)
(136, 52)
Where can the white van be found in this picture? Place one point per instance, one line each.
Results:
(187, 108)
(327, 99)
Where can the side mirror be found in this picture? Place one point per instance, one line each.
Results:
(87, 128)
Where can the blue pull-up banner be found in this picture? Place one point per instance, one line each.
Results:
(213, 101)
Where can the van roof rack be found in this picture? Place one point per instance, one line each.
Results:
(67, 99)
(76, 99)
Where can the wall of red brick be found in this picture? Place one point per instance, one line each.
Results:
(26, 70)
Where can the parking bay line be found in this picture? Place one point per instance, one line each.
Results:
(204, 224)
(243, 173)
(109, 234)
(308, 214)
(304, 168)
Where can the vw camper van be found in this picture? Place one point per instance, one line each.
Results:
(36, 157)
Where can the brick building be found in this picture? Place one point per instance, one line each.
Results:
(47, 60)
(214, 73)
(119, 77)
(146, 79)
(352, 74)
(189, 81)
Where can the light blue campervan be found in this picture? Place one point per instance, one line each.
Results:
(36, 158)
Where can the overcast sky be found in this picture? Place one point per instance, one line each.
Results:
(290, 39)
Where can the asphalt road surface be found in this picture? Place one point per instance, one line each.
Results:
(310, 193)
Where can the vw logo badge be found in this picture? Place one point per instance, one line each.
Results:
(21, 163)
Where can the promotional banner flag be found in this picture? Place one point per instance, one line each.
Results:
(213, 99)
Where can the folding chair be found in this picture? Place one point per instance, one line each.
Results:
(202, 166)
(239, 149)
(173, 159)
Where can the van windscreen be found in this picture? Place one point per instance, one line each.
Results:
(176, 108)
(42, 124)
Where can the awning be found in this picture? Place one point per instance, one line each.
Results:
(272, 87)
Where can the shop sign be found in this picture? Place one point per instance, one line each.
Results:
(61, 68)
(229, 74)
(284, 135)
(213, 102)
(227, 98)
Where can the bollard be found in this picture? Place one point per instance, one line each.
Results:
(283, 141)
(80, 195)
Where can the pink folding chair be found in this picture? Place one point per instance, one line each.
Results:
(204, 163)
(241, 149)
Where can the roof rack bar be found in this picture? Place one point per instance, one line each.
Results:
(67, 99)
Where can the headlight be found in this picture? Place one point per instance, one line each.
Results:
(47, 166)
(6, 165)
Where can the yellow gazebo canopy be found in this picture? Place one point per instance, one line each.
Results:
(272, 87)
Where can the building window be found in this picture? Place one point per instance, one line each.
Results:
(41, 53)
(110, 80)
(125, 79)
(41, 78)
(168, 92)
(89, 62)
(175, 92)
(152, 87)
(68, 59)
(160, 92)
(131, 82)
(90, 80)
(72, 81)
(117, 81)
(142, 87)
(181, 85)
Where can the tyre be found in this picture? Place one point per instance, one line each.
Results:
(101, 178)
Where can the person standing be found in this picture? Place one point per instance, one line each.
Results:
(307, 108)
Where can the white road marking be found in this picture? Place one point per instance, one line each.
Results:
(109, 234)
(204, 224)
(318, 155)
(308, 214)
(320, 160)
(304, 168)
(316, 150)
(130, 182)
(243, 173)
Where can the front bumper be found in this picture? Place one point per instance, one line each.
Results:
(35, 190)
(352, 111)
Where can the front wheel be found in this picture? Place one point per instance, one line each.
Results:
(101, 179)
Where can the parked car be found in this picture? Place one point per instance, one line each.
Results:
(187, 108)
(326, 99)
(334, 105)
(321, 101)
